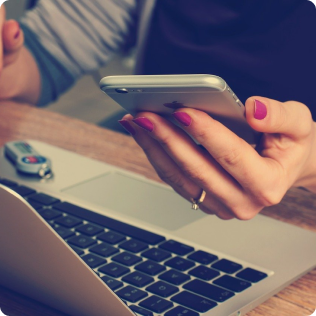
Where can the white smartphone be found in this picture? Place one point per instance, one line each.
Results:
(162, 94)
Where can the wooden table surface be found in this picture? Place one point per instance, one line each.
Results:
(24, 122)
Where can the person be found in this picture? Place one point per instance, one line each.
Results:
(262, 48)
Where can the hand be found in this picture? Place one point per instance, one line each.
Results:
(19, 76)
(239, 180)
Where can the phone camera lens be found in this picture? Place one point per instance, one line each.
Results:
(123, 90)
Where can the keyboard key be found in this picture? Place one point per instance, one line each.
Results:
(89, 230)
(162, 289)
(174, 277)
(63, 232)
(126, 258)
(111, 237)
(140, 311)
(43, 199)
(231, 283)
(77, 250)
(93, 261)
(156, 254)
(110, 223)
(133, 245)
(181, 311)
(112, 283)
(113, 269)
(156, 304)
(35, 205)
(202, 257)
(208, 290)
(104, 250)
(227, 266)
(204, 273)
(176, 247)
(150, 267)
(68, 221)
(138, 279)
(195, 302)
(179, 263)
(50, 214)
(131, 294)
(81, 241)
(23, 190)
(8, 183)
(251, 275)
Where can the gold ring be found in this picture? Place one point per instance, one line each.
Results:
(197, 202)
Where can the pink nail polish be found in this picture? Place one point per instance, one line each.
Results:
(127, 125)
(183, 118)
(17, 34)
(260, 110)
(144, 123)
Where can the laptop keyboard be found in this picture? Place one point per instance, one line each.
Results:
(151, 274)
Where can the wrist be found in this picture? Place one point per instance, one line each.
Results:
(308, 180)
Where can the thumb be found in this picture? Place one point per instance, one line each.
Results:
(291, 118)
(12, 41)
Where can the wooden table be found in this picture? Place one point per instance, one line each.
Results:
(24, 122)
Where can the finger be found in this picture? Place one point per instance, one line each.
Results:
(197, 164)
(13, 39)
(292, 119)
(170, 172)
(235, 155)
(2, 19)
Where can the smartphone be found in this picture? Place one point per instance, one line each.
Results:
(163, 94)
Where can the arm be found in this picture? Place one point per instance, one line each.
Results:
(64, 40)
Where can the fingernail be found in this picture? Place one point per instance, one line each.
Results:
(127, 125)
(183, 118)
(17, 34)
(144, 123)
(260, 110)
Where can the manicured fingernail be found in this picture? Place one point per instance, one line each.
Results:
(17, 34)
(260, 110)
(127, 125)
(183, 118)
(144, 123)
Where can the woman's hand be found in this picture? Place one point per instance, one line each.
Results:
(239, 180)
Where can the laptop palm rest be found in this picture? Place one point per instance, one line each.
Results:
(137, 198)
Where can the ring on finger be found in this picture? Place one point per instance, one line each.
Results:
(198, 201)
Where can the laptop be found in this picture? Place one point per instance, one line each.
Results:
(98, 240)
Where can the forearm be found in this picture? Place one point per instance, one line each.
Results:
(308, 181)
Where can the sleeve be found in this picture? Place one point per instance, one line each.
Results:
(71, 38)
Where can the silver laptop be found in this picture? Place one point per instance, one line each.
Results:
(97, 240)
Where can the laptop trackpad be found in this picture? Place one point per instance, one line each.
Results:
(136, 198)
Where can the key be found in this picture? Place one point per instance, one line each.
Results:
(150, 267)
(141, 311)
(81, 241)
(156, 254)
(156, 304)
(138, 279)
(204, 273)
(176, 247)
(63, 232)
(202, 257)
(181, 311)
(93, 261)
(49, 214)
(227, 266)
(208, 290)
(111, 237)
(251, 275)
(23, 190)
(111, 283)
(104, 250)
(179, 263)
(231, 283)
(162, 289)
(68, 221)
(89, 230)
(43, 199)
(126, 258)
(195, 302)
(113, 269)
(133, 245)
(131, 294)
(174, 277)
